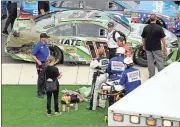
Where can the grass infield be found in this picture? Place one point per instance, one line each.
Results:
(21, 107)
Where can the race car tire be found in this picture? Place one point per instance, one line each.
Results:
(140, 57)
(56, 52)
(159, 22)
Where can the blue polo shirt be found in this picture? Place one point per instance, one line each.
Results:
(130, 79)
(41, 51)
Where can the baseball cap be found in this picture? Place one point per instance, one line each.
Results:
(44, 35)
(110, 24)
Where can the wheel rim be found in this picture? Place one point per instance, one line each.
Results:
(142, 54)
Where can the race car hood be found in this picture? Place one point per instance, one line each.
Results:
(171, 39)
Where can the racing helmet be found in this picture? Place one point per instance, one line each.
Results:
(120, 50)
(128, 61)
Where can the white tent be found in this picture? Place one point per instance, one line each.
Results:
(158, 96)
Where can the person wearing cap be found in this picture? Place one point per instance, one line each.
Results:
(112, 43)
(12, 15)
(125, 46)
(40, 53)
(99, 67)
(131, 78)
(116, 65)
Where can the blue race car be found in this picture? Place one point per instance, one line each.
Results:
(136, 11)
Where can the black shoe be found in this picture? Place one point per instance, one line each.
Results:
(5, 33)
(3, 17)
(89, 108)
(40, 96)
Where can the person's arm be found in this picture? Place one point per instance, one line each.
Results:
(143, 35)
(33, 54)
(81, 98)
(58, 75)
(117, 35)
(163, 39)
(41, 7)
(94, 64)
(109, 67)
(123, 80)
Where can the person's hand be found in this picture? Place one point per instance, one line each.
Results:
(144, 48)
(164, 52)
(39, 63)
(42, 12)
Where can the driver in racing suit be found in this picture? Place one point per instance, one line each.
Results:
(99, 66)
(116, 65)
(130, 77)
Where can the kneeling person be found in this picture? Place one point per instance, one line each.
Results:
(99, 67)
(116, 65)
(130, 77)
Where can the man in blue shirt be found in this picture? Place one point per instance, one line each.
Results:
(116, 65)
(130, 77)
(12, 15)
(40, 54)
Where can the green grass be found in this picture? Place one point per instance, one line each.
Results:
(21, 107)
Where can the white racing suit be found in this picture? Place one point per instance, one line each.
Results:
(100, 76)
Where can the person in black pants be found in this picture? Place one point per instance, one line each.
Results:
(52, 73)
(40, 54)
(43, 7)
(12, 15)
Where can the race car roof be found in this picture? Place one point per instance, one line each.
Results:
(159, 96)
(83, 15)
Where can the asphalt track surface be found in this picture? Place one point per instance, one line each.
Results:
(5, 57)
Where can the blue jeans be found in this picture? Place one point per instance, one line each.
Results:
(4, 7)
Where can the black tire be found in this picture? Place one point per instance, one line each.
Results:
(159, 22)
(56, 52)
(140, 57)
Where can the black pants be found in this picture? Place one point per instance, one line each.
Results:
(41, 79)
(12, 15)
(92, 89)
(49, 95)
(112, 52)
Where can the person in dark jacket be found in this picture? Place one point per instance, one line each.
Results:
(52, 73)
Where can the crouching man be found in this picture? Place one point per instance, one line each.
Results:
(116, 65)
(130, 77)
(99, 67)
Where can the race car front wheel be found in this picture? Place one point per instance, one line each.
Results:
(56, 52)
(140, 57)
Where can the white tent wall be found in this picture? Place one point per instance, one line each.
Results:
(158, 96)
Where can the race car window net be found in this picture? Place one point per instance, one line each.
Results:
(119, 25)
(89, 30)
(114, 6)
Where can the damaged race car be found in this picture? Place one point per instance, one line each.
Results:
(136, 11)
(77, 34)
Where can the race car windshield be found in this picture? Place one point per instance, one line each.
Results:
(132, 4)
